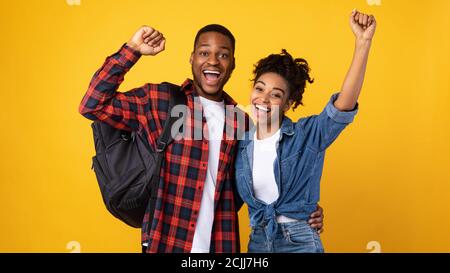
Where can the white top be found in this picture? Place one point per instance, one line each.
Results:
(264, 184)
(264, 155)
(215, 119)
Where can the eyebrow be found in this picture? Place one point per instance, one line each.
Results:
(208, 45)
(275, 88)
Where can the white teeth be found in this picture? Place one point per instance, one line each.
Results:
(211, 72)
(260, 107)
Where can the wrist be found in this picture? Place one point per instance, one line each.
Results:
(132, 45)
(363, 42)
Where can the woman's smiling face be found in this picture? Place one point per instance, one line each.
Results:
(269, 98)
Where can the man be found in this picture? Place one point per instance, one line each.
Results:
(196, 210)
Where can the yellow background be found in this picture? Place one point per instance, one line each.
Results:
(386, 179)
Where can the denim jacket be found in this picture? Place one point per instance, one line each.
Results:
(298, 166)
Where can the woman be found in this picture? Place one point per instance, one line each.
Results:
(279, 164)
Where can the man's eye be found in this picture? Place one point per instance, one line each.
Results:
(202, 53)
(224, 56)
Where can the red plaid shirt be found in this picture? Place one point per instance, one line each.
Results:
(144, 109)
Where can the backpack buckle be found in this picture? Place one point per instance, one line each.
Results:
(160, 146)
(126, 136)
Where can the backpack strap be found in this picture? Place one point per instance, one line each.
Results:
(176, 97)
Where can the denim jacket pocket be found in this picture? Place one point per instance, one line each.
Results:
(299, 164)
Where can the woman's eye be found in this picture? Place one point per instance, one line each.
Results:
(259, 89)
(277, 95)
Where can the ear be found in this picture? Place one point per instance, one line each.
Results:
(233, 66)
(287, 105)
(191, 59)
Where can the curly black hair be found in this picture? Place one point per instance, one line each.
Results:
(294, 71)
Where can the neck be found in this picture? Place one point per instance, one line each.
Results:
(217, 96)
(266, 130)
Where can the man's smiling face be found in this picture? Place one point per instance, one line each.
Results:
(212, 63)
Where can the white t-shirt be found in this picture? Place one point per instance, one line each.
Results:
(215, 118)
(264, 155)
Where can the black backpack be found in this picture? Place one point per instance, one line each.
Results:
(128, 169)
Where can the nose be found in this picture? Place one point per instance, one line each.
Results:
(212, 59)
(264, 98)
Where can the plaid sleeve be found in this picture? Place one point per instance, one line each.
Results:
(103, 102)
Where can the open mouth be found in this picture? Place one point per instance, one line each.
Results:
(211, 76)
(262, 108)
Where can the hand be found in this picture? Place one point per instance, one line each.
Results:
(316, 219)
(363, 25)
(148, 41)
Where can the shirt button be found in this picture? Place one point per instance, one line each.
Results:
(195, 212)
(203, 165)
(192, 225)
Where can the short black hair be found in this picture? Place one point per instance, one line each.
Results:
(216, 28)
(294, 71)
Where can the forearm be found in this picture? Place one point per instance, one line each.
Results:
(351, 87)
(105, 82)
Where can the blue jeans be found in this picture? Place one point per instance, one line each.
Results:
(292, 237)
